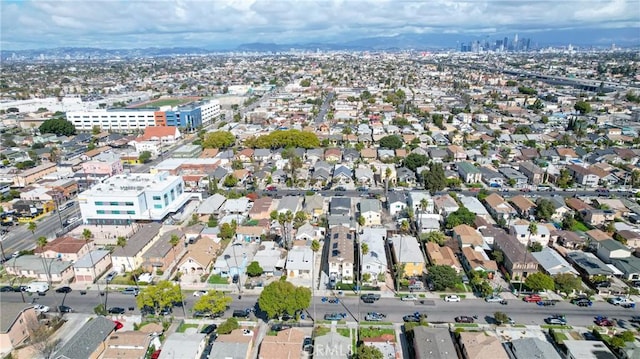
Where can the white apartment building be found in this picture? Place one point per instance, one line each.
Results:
(135, 196)
(210, 110)
(112, 119)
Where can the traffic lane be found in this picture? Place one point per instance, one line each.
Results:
(21, 239)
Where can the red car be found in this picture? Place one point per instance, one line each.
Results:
(156, 354)
(604, 322)
(119, 325)
(534, 298)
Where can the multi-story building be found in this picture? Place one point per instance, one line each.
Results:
(32, 175)
(106, 164)
(189, 116)
(341, 254)
(135, 196)
(469, 173)
(407, 253)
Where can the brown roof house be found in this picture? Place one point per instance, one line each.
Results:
(65, 248)
(467, 236)
(480, 345)
(162, 253)
(284, 345)
(199, 258)
(516, 259)
(524, 206)
(477, 260)
(127, 345)
(442, 256)
(499, 208)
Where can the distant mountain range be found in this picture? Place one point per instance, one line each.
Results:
(625, 37)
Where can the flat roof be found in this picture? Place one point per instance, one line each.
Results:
(131, 184)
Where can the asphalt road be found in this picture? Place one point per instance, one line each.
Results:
(436, 309)
(324, 108)
(20, 238)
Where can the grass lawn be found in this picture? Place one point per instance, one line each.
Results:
(272, 333)
(122, 280)
(466, 325)
(168, 102)
(217, 279)
(345, 332)
(183, 327)
(320, 331)
(375, 333)
(375, 323)
(559, 337)
(555, 326)
(579, 226)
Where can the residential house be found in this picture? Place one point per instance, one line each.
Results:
(526, 237)
(40, 269)
(534, 174)
(492, 178)
(262, 208)
(127, 345)
(291, 204)
(433, 343)
(445, 204)
(300, 260)
(480, 345)
(469, 173)
(342, 175)
(285, 344)
(438, 255)
(250, 233)
(456, 153)
(199, 257)
(65, 248)
(467, 236)
(397, 202)
(524, 206)
(407, 253)
(307, 232)
(364, 176)
(333, 155)
(610, 249)
(375, 261)
(162, 254)
(17, 322)
(583, 176)
(332, 346)
(598, 217)
(185, 346)
(314, 206)
(91, 266)
(371, 211)
(341, 254)
(406, 176)
(559, 206)
(474, 206)
(531, 348)
(271, 257)
(129, 257)
(588, 349)
(517, 261)
(552, 263)
(514, 178)
(234, 260)
(476, 259)
(89, 342)
(421, 202)
(499, 208)
(570, 239)
(589, 265)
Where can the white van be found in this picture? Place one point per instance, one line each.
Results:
(37, 287)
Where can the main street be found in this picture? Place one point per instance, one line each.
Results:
(436, 309)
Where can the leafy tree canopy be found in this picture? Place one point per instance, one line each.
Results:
(285, 138)
(391, 142)
(58, 126)
(212, 302)
(145, 156)
(582, 107)
(443, 277)
(161, 295)
(228, 326)
(434, 179)
(461, 216)
(369, 352)
(567, 282)
(544, 209)
(527, 90)
(539, 281)
(219, 139)
(254, 269)
(281, 297)
(415, 160)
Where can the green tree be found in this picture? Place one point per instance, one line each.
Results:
(281, 297)
(500, 317)
(391, 142)
(539, 281)
(535, 247)
(58, 126)
(361, 221)
(582, 107)
(254, 269)
(305, 83)
(228, 326)
(544, 209)
(144, 156)
(568, 222)
(230, 181)
(95, 130)
(368, 352)
(41, 242)
(213, 221)
(285, 139)
(315, 247)
(227, 231)
(567, 282)
(443, 277)
(219, 139)
(212, 302)
(435, 237)
(364, 249)
(161, 295)
(461, 216)
(415, 160)
(434, 179)
(299, 219)
(32, 227)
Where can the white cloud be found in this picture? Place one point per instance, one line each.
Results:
(124, 23)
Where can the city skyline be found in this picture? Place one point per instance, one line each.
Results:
(28, 24)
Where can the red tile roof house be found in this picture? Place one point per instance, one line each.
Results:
(164, 134)
(65, 248)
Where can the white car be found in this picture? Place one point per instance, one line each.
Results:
(409, 297)
(41, 308)
(452, 298)
(493, 299)
(199, 293)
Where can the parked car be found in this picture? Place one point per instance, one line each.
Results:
(556, 320)
(130, 291)
(64, 290)
(41, 308)
(110, 276)
(147, 310)
(199, 293)
(546, 303)
(619, 301)
(582, 302)
(166, 311)
(335, 316)
(533, 298)
(6, 289)
(409, 297)
(452, 298)
(64, 309)
(411, 319)
(116, 310)
(635, 319)
(307, 344)
(280, 327)
(209, 329)
(374, 317)
(602, 284)
(464, 319)
(241, 313)
(371, 296)
(368, 300)
(603, 321)
(493, 299)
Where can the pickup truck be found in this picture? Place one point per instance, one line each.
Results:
(534, 298)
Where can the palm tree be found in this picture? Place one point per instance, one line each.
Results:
(122, 242)
(174, 240)
(289, 220)
(87, 235)
(533, 230)
(32, 226)
(315, 247)
(41, 242)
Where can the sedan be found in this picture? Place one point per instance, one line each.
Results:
(411, 319)
(452, 298)
(41, 308)
(493, 299)
(63, 290)
(199, 293)
(464, 319)
(555, 320)
(209, 329)
(409, 297)
(6, 288)
(116, 310)
(64, 309)
(280, 327)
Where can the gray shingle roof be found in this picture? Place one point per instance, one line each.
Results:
(87, 339)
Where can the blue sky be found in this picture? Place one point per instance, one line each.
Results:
(30, 24)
